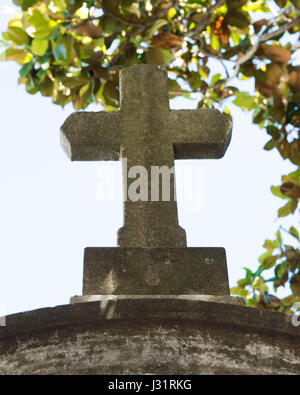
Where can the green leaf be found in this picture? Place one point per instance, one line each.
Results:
(274, 132)
(278, 236)
(39, 46)
(171, 13)
(214, 42)
(43, 26)
(245, 41)
(295, 175)
(270, 145)
(277, 192)
(28, 3)
(167, 54)
(235, 37)
(260, 285)
(257, 7)
(86, 52)
(26, 69)
(264, 256)
(60, 52)
(37, 19)
(40, 75)
(250, 302)
(73, 82)
(244, 100)
(60, 4)
(17, 35)
(249, 275)
(134, 9)
(30, 86)
(108, 26)
(294, 232)
(259, 116)
(271, 245)
(269, 262)
(289, 208)
(215, 79)
(18, 55)
(280, 270)
(203, 73)
(47, 87)
(244, 282)
(85, 93)
(259, 271)
(155, 27)
(239, 291)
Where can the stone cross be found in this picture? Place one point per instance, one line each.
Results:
(145, 132)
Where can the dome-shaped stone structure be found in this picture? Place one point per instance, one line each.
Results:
(148, 336)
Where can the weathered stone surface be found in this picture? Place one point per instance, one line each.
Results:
(154, 337)
(155, 271)
(195, 134)
(237, 300)
(147, 133)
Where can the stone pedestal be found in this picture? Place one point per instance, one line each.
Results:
(167, 336)
(155, 271)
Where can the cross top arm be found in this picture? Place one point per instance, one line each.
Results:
(145, 116)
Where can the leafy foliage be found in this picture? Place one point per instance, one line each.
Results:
(283, 260)
(72, 50)
(281, 263)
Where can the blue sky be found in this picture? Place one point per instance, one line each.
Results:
(50, 210)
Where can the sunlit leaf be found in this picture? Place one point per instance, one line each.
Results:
(60, 4)
(42, 26)
(171, 13)
(155, 27)
(27, 3)
(269, 262)
(293, 231)
(277, 192)
(244, 100)
(20, 56)
(238, 291)
(39, 46)
(289, 208)
(17, 35)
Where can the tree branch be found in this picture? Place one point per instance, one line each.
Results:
(205, 20)
(141, 29)
(285, 27)
(265, 37)
(122, 20)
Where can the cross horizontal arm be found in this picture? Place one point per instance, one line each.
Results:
(92, 136)
(199, 134)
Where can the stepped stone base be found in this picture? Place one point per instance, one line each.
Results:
(155, 271)
(149, 336)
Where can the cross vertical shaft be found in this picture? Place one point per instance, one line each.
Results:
(146, 147)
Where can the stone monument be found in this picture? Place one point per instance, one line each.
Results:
(152, 257)
(152, 305)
